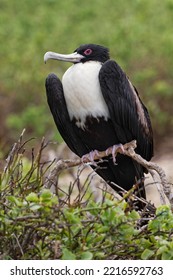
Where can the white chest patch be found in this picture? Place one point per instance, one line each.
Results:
(82, 92)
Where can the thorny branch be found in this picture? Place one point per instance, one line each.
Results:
(164, 187)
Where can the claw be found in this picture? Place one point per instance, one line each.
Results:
(113, 150)
(90, 156)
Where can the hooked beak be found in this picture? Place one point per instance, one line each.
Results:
(73, 57)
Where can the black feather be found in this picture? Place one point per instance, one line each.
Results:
(129, 120)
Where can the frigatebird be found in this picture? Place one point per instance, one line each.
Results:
(95, 107)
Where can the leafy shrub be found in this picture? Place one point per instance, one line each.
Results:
(36, 223)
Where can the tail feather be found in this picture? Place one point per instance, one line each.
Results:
(126, 173)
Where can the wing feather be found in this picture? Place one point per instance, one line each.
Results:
(58, 108)
(128, 114)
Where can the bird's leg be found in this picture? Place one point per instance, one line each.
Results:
(90, 156)
(113, 149)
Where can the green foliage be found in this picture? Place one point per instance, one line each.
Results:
(29, 118)
(138, 33)
(36, 223)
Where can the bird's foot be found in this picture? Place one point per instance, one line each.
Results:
(90, 157)
(113, 151)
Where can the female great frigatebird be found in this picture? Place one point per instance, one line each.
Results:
(96, 107)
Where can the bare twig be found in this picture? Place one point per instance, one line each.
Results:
(152, 167)
(18, 243)
(164, 187)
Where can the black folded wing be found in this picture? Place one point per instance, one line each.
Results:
(57, 105)
(129, 116)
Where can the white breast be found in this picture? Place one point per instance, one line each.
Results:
(82, 92)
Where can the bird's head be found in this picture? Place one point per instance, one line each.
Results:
(87, 52)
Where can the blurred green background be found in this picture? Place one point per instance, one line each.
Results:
(139, 34)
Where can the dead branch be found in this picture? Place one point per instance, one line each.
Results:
(164, 187)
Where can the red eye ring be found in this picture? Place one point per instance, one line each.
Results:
(88, 51)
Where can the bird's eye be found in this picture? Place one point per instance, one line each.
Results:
(88, 51)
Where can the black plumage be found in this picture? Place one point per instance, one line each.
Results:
(121, 117)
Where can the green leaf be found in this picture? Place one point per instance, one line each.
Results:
(147, 254)
(163, 210)
(14, 200)
(134, 215)
(99, 255)
(33, 197)
(67, 255)
(46, 196)
(86, 256)
(162, 249)
(35, 207)
(71, 217)
(167, 256)
(101, 229)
